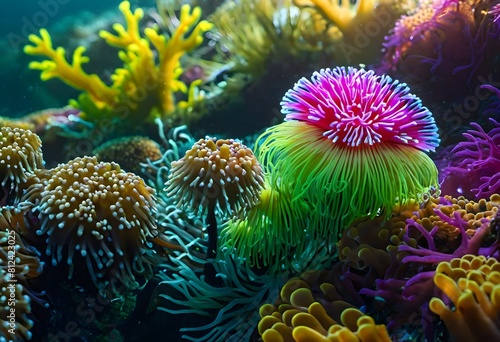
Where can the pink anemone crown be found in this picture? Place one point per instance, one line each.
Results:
(356, 108)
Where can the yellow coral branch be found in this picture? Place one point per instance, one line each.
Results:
(341, 14)
(170, 52)
(126, 37)
(72, 74)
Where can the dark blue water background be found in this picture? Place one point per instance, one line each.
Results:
(21, 90)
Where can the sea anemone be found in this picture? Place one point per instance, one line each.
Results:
(98, 217)
(216, 176)
(441, 47)
(473, 168)
(26, 262)
(219, 173)
(352, 145)
(271, 233)
(20, 155)
(472, 284)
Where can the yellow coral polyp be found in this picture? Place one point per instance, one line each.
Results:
(144, 87)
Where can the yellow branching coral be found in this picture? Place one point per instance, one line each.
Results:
(472, 283)
(143, 88)
(342, 13)
(73, 74)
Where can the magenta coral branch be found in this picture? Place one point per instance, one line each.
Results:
(430, 254)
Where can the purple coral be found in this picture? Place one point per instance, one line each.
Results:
(442, 47)
(410, 292)
(475, 162)
(495, 12)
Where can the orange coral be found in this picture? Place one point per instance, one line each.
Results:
(298, 307)
(471, 212)
(473, 285)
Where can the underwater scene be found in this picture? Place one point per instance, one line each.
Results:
(250, 170)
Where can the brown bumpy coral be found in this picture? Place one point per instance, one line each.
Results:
(129, 152)
(20, 155)
(364, 242)
(97, 216)
(222, 174)
(472, 283)
(447, 236)
(14, 326)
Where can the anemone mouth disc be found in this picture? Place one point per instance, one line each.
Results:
(355, 107)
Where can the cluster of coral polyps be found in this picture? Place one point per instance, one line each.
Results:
(93, 214)
(219, 173)
(20, 155)
(97, 213)
(395, 260)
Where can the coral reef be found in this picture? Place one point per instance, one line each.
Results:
(349, 223)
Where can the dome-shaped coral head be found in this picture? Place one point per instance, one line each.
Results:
(441, 46)
(220, 174)
(352, 144)
(20, 155)
(98, 217)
